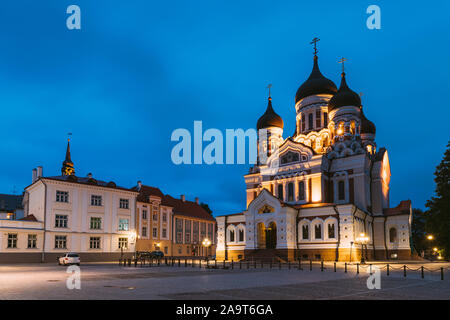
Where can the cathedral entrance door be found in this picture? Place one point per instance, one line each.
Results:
(271, 236)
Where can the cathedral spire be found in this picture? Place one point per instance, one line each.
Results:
(67, 168)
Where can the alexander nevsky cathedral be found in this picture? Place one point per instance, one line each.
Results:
(328, 198)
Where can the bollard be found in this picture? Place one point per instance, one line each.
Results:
(165, 261)
(200, 263)
(421, 269)
(232, 264)
(370, 269)
(185, 263)
(321, 265)
(135, 262)
(387, 269)
(289, 265)
(299, 264)
(357, 268)
(215, 263)
(335, 266)
(224, 264)
(173, 262)
(345, 267)
(207, 263)
(179, 262)
(129, 262)
(442, 273)
(310, 264)
(404, 271)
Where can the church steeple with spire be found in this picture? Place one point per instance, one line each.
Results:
(67, 168)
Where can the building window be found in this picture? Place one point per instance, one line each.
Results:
(32, 241)
(241, 235)
(60, 221)
(62, 196)
(318, 119)
(392, 235)
(203, 230)
(123, 225)
(318, 231)
(290, 191)
(166, 250)
(123, 243)
(60, 242)
(231, 236)
(195, 231)
(144, 214)
(96, 200)
(179, 230)
(96, 223)
(124, 204)
(301, 190)
(144, 231)
(331, 231)
(303, 124)
(310, 121)
(155, 233)
(155, 216)
(187, 231)
(325, 119)
(164, 217)
(341, 190)
(210, 232)
(164, 233)
(94, 243)
(12, 240)
(305, 232)
(280, 191)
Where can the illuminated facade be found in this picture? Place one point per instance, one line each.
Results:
(313, 194)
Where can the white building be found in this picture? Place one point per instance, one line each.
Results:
(67, 213)
(323, 192)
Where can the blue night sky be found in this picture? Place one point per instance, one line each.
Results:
(137, 70)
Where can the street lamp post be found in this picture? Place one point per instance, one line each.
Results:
(206, 243)
(363, 239)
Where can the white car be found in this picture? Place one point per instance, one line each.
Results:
(69, 258)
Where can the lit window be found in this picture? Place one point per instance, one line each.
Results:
(123, 225)
(123, 243)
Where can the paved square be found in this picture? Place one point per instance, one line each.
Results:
(110, 281)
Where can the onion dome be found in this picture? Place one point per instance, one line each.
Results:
(367, 126)
(344, 97)
(269, 118)
(316, 84)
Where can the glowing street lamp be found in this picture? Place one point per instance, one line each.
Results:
(206, 243)
(363, 239)
(430, 237)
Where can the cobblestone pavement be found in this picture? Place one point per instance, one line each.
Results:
(109, 281)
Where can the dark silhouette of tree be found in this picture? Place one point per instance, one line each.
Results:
(438, 212)
(206, 207)
(418, 230)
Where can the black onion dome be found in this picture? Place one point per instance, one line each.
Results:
(269, 118)
(367, 126)
(316, 84)
(344, 97)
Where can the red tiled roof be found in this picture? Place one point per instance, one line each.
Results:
(29, 217)
(187, 208)
(146, 191)
(403, 208)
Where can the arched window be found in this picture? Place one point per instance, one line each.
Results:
(290, 191)
(280, 191)
(341, 190)
(310, 121)
(241, 235)
(301, 191)
(331, 234)
(318, 231)
(392, 235)
(305, 232)
(231, 236)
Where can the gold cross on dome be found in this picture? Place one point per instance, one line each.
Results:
(314, 41)
(269, 87)
(343, 61)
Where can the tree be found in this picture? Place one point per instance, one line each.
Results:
(206, 207)
(438, 212)
(418, 230)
